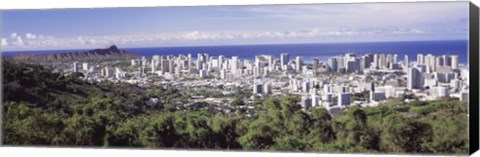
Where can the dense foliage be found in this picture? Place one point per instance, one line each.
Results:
(44, 108)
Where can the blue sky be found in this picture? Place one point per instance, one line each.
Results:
(230, 25)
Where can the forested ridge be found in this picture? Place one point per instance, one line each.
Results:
(45, 108)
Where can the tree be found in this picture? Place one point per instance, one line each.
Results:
(405, 135)
(261, 135)
(320, 129)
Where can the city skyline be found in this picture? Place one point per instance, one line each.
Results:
(269, 24)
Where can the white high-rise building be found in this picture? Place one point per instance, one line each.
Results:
(333, 64)
(206, 58)
(351, 66)
(171, 66)
(395, 58)
(306, 86)
(154, 65)
(414, 78)
(119, 74)
(440, 61)
(144, 60)
(234, 63)
(271, 61)
(164, 65)
(405, 61)
(190, 62)
(298, 63)
(389, 59)
(430, 63)
(75, 67)
(107, 72)
(420, 59)
(203, 73)
(221, 60)
(284, 60)
(198, 65)
(382, 61)
(85, 66)
(315, 65)
(200, 59)
(133, 62)
(447, 60)
(156, 58)
(454, 61)
(223, 74)
(315, 98)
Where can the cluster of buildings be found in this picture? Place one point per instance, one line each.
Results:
(338, 82)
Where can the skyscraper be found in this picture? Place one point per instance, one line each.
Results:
(306, 86)
(440, 61)
(405, 61)
(85, 66)
(430, 63)
(200, 59)
(375, 61)
(389, 60)
(315, 98)
(333, 63)
(156, 58)
(447, 60)
(164, 65)
(284, 60)
(75, 67)
(454, 61)
(420, 59)
(414, 78)
(271, 61)
(298, 63)
(133, 62)
(382, 61)
(154, 65)
(351, 66)
(221, 60)
(234, 63)
(171, 66)
(315, 65)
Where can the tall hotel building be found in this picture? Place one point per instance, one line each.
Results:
(283, 60)
(454, 62)
(414, 78)
(420, 59)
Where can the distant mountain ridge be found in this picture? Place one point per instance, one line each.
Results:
(111, 53)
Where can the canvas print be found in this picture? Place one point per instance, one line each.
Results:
(322, 78)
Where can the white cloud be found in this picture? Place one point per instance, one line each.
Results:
(18, 41)
(4, 42)
(13, 35)
(344, 34)
(30, 36)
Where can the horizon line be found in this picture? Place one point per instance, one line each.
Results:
(238, 44)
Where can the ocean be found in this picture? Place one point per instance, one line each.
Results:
(307, 51)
